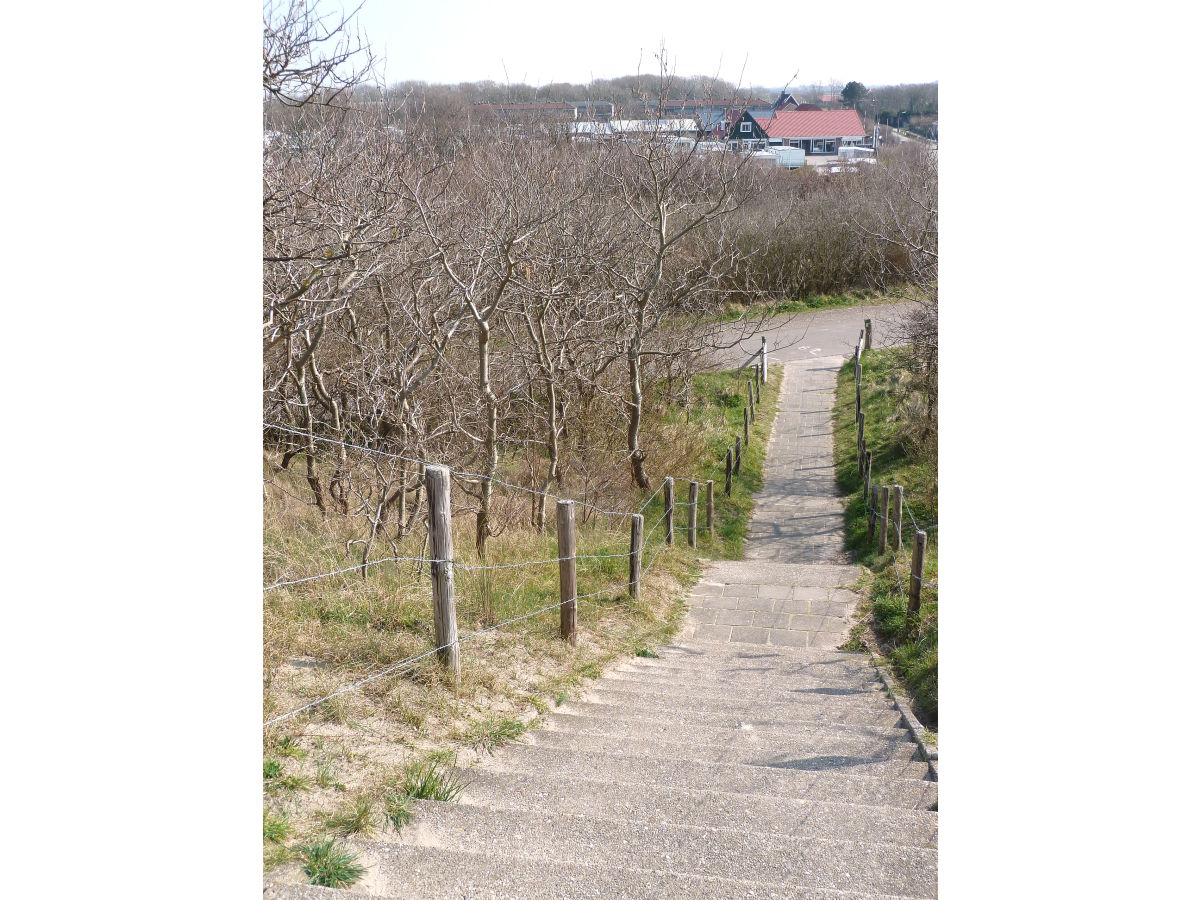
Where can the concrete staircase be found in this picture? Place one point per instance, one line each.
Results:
(749, 759)
(716, 770)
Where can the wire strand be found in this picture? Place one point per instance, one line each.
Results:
(461, 474)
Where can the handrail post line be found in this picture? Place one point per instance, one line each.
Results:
(709, 507)
(568, 609)
(441, 567)
(669, 503)
(635, 556)
(693, 497)
(916, 580)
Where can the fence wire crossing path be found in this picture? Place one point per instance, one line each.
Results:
(750, 758)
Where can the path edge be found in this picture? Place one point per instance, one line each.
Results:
(915, 728)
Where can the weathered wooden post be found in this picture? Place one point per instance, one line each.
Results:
(669, 503)
(746, 426)
(916, 579)
(762, 357)
(867, 475)
(883, 517)
(862, 448)
(757, 389)
(867, 333)
(567, 611)
(693, 497)
(710, 508)
(871, 512)
(728, 471)
(737, 455)
(750, 397)
(441, 568)
(635, 556)
(898, 510)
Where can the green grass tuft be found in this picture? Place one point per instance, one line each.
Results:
(397, 808)
(275, 828)
(489, 733)
(357, 817)
(432, 779)
(646, 653)
(287, 746)
(329, 865)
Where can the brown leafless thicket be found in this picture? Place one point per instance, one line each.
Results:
(508, 303)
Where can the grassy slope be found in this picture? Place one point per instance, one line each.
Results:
(348, 754)
(813, 302)
(913, 656)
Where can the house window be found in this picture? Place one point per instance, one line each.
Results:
(745, 128)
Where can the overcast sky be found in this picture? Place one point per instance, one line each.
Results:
(541, 42)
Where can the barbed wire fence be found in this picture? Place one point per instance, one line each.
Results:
(437, 482)
(447, 640)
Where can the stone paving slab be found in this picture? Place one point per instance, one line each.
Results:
(792, 590)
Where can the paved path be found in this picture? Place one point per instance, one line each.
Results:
(748, 759)
(824, 332)
(791, 591)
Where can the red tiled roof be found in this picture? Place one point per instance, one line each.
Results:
(523, 106)
(804, 123)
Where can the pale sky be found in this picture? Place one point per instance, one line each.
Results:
(541, 42)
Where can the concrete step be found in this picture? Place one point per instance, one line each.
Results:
(723, 712)
(654, 846)
(279, 890)
(696, 649)
(765, 572)
(441, 873)
(898, 761)
(760, 670)
(688, 806)
(844, 785)
(594, 716)
(631, 689)
(749, 673)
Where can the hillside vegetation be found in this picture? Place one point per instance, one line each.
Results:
(901, 454)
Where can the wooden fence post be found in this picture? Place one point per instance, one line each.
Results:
(441, 568)
(883, 517)
(757, 391)
(762, 357)
(867, 332)
(737, 455)
(746, 425)
(693, 498)
(635, 556)
(862, 448)
(871, 512)
(669, 503)
(898, 511)
(710, 506)
(867, 476)
(568, 613)
(916, 579)
(750, 396)
(728, 471)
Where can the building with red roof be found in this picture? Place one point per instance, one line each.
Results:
(817, 132)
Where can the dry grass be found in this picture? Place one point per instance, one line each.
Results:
(339, 763)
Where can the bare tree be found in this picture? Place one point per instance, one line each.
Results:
(310, 56)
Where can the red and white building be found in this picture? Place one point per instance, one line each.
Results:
(818, 132)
